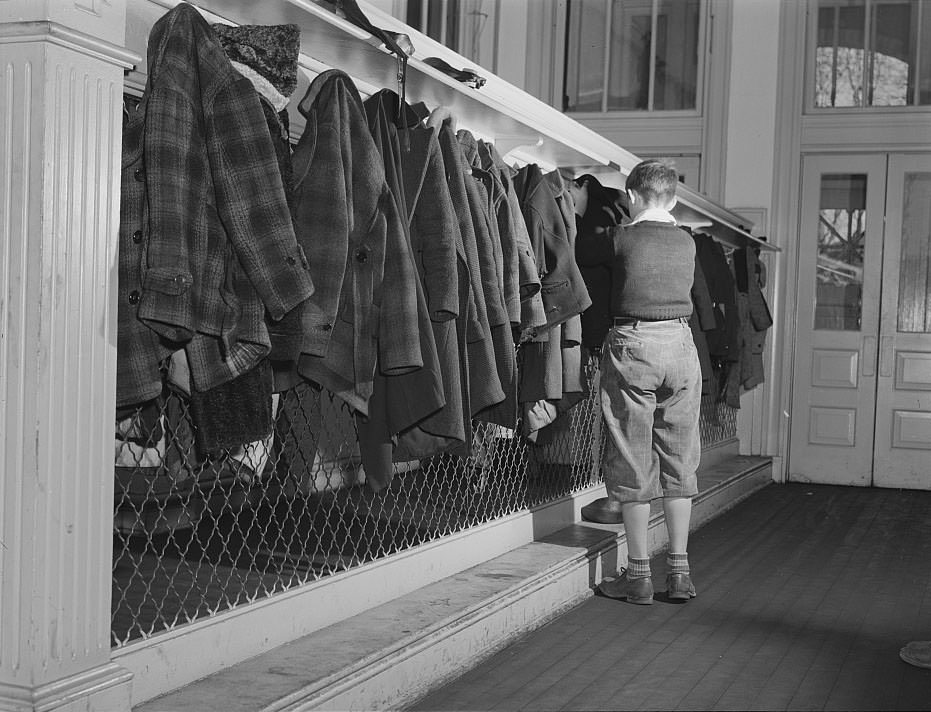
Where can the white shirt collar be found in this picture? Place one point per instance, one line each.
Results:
(654, 215)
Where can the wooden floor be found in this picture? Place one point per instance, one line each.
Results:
(805, 595)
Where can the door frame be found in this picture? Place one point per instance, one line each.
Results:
(797, 134)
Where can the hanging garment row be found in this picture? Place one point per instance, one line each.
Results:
(387, 257)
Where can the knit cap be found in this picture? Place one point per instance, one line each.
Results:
(266, 54)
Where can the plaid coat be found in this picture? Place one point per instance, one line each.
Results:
(348, 222)
(207, 247)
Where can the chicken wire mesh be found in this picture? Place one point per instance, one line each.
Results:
(195, 536)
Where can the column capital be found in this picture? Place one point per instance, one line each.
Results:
(67, 37)
(105, 19)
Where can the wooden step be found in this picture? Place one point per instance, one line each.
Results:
(391, 655)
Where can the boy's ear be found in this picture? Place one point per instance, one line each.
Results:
(633, 197)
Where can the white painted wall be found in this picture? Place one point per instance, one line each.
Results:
(749, 174)
(752, 104)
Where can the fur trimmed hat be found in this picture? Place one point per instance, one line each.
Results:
(269, 50)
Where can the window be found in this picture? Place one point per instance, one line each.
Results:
(871, 53)
(465, 26)
(632, 55)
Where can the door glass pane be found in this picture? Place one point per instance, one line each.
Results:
(676, 55)
(915, 264)
(841, 235)
(585, 56)
(629, 77)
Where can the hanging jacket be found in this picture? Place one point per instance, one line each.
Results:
(484, 197)
(702, 320)
(483, 382)
(267, 55)
(748, 273)
(206, 241)
(594, 250)
(346, 218)
(401, 401)
(563, 290)
(531, 314)
(433, 228)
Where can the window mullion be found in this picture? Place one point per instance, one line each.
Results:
(918, 34)
(606, 71)
(654, 23)
(836, 40)
(867, 45)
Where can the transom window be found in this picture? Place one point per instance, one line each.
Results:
(465, 26)
(632, 55)
(871, 53)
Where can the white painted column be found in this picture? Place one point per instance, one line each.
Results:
(61, 78)
(748, 185)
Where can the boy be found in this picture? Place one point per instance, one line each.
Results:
(651, 382)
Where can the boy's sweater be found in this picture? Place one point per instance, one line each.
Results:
(652, 271)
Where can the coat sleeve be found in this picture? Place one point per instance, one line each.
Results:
(436, 225)
(173, 168)
(398, 325)
(251, 200)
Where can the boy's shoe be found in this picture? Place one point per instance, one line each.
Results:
(917, 653)
(679, 587)
(638, 590)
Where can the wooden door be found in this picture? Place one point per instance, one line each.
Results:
(902, 451)
(837, 321)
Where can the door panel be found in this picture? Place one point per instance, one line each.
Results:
(837, 323)
(903, 396)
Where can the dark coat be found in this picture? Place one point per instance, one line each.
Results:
(483, 382)
(365, 307)
(402, 401)
(594, 250)
(207, 246)
(514, 237)
(483, 195)
(563, 290)
(748, 272)
(437, 244)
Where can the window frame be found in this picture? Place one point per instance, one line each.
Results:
(810, 68)
(704, 48)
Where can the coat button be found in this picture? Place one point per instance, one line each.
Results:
(181, 280)
(134, 296)
(139, 174)
(361, 255)
(326, 327)
(292, 261)
(137, 236)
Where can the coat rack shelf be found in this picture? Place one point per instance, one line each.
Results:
(526, 129)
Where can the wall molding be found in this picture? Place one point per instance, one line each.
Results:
(106, 687)
(866, 131)
(69, 38)
(784, 224)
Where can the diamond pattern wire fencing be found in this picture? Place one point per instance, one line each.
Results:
(194, 537)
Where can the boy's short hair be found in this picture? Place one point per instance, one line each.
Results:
(656, 181)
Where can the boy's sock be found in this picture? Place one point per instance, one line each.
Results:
(677, 563)
(638, 568)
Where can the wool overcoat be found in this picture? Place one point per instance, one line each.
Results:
(207, 247)
(365, 308)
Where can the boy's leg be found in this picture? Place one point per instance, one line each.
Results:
(678, 511)
(677, 443)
